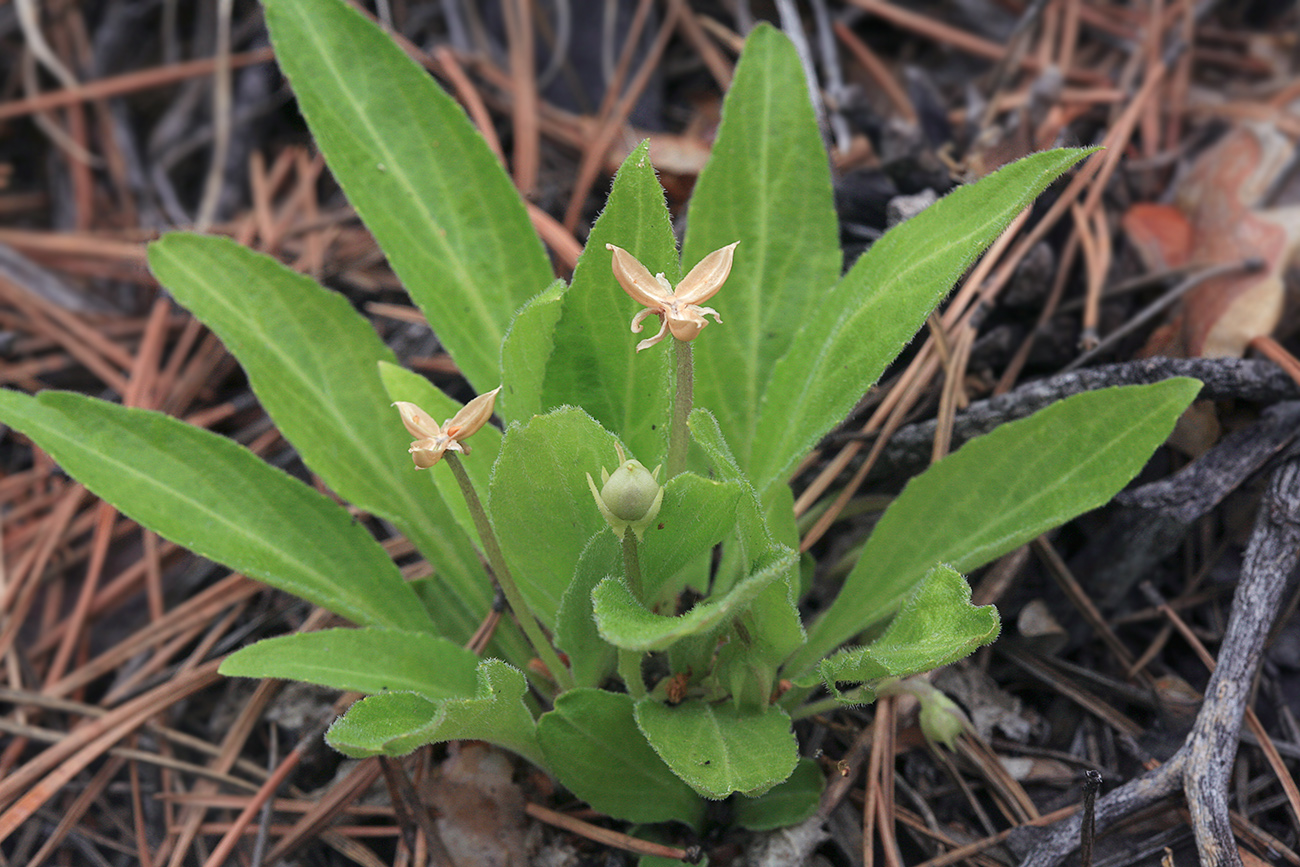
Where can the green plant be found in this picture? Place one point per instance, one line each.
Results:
(648, 711)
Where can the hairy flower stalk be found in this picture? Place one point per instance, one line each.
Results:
(629, 661)
(683, 398)
(681, 314)
(432, 444)
(629, 499)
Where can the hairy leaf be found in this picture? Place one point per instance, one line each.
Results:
(312, 360)
(787, 803)
(221, 501)
(541, 506)
(421, 177)
(718, 749)
(626, 623)
(526, 352)
(846, 339)
(592, 742)
(767, 185)
(937, 625)
(395, 723)
(999, 491)
(362, 660)
(598, 367)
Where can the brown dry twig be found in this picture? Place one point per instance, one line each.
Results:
(1201, 767)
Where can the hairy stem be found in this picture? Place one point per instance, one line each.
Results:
(629, 668)
(497, 562)
(629, 661)
(679, 437)
(632, 563)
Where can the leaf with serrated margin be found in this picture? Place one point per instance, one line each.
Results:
(592, 742)
(395, 723)
(936, 625)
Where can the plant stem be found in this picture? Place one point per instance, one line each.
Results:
(497, 562)
(632, 564)
(629, 668)
(679, 437)
(822, 705)
(629, 661)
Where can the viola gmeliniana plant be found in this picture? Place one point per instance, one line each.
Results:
(654, 655)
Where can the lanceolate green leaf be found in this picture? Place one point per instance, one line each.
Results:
(598, 367)
(767, 184)
(221, 501)
(362, 660)
(526, 351)
(419, 174)
(998, 492)
(773, 613)
(849, 336)
(718, 749)
(592, 742)
(312, 362)
(395, 723)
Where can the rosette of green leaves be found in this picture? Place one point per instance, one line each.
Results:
(801, 342)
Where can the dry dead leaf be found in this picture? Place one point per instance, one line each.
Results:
(1216, 219)
(480, 810)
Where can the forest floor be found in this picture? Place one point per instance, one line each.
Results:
(121, 745)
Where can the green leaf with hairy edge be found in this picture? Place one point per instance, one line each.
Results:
(696, 514)
(395, 723)
(718, 749)
(599, 368)
(999, 491)
(540, 504)
(936, 625)
(421, 177)
(785, 804)
(362, 660)
(624, 622)
(591, 658)
(767, 184)
(312, 362)
(218, 499)
(773, 616)
(592, 743)
(850, 335)
(526, 351)
(402, 384)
